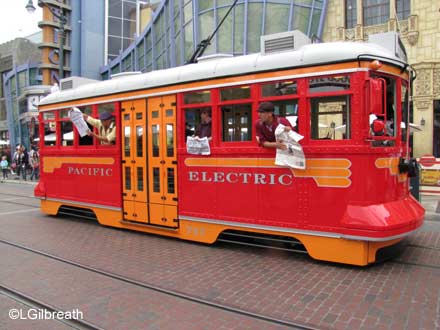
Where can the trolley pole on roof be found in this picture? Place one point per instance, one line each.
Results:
(201, 47)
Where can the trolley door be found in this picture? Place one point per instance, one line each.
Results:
(134, 160)
(162, 161)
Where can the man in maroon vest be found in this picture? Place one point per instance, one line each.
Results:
(267, 124)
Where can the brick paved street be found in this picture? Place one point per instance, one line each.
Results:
(109, 303)
(293, 287)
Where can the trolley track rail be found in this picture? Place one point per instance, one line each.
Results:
(172, 293)
(401, 260)
(18, 197)
(38, 304)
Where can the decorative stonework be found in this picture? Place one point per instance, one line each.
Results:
(349, 34)
(413, 27)
(373, 29)
(402, 27)
(340, 32)
(422, 84)
(413, 23)
(359, 32)
(422, 105)
(436, 81)
(413, 37)
(392, 24)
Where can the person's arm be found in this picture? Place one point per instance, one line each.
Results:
(277, 145)
(92, 121)
(103, 138)
(95, 123)
(109, 138)
(263, 142)
(287, 125)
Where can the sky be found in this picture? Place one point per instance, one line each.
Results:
(15, 21)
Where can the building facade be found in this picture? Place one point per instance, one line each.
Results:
(21, 83)
(178, 26)
(417, 23)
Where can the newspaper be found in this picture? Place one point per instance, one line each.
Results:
(76, 116)
(293, 156)
(197, 146)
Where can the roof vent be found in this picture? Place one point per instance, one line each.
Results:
(74, 82)
(283, 41)
(125, 74)
(391, 41)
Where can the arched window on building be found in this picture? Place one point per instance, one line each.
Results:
(375, 12)
(403, 9)
(350, 14)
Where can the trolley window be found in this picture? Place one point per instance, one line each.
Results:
(388, 116)
(193, 122)
(236, 113)
(198, 114)
(329, 84)
(237, 122)
(66, 128)
(109, 108)
(289, 110)
(49, 129)
(405, 112)
(197, 97)
(235, 93)
(279, 88)
(86, 140)
(330, 117)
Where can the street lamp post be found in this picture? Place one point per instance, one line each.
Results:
(62, 18)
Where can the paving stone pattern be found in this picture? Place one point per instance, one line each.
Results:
(280, 284)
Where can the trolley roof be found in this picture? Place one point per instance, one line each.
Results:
(308, 55)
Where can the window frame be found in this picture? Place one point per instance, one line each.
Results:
(75, 145)
(350, 20)
(376, 11)
(350, 93)
(251, 101)
(183, 107)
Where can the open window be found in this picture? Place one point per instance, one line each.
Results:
(66, 128)
(289, 110)
(198, 113)
(49, 129)
(86, 140)
(383, 110)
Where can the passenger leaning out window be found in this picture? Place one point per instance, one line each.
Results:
(106, 127)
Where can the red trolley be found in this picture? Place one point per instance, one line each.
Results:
(351, 204)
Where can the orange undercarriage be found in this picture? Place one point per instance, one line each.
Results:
(340, 250)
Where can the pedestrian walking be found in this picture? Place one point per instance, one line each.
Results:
(34, 162)
(4, 166)
(24, 162)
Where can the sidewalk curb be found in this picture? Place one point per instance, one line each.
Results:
(432, 216)
(18, 181)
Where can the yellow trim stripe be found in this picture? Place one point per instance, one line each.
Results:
(391, 163)
(51, 163)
